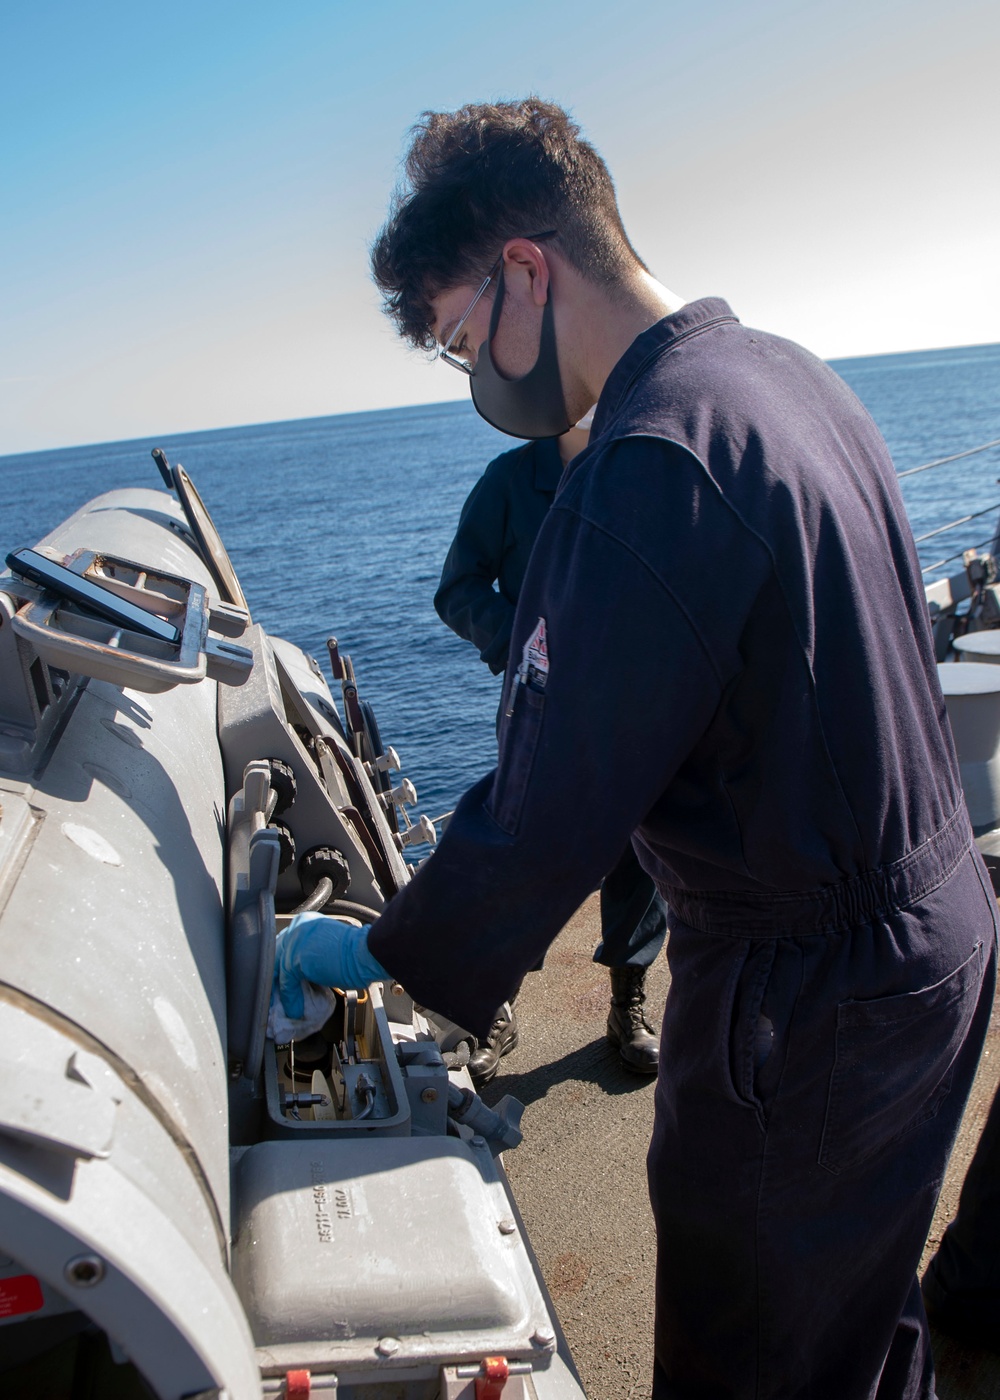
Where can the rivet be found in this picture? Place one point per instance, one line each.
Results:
(398, 989)
(388, 1346)
(429, 1096)
(84, 1270)
(478, 1140)
(507, 1227)
(543, 1337)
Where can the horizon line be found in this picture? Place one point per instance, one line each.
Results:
(410, 408)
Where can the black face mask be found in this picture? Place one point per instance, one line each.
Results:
(532, 406)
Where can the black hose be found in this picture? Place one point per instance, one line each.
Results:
(354, 911)
(320, 896)
(320, 899)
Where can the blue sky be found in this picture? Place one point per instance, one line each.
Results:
(188, 190)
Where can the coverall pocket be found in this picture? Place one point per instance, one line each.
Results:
(519, 745)
(893, 1064)
(750, 1032)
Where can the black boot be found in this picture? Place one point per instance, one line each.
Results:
(628, 1028)
(502, 1039)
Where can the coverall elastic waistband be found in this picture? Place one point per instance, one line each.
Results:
(795, 913)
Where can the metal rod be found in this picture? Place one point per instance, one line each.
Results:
(326, 1385)
(963, 521)
(912, 471)
(929, 568)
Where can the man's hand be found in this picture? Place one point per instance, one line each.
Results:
(327, 951)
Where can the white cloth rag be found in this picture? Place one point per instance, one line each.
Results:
(318, 1004)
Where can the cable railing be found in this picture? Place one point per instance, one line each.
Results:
(955, 457)
(950, 558)
(963, 520)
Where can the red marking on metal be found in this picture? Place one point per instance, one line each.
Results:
(496, 1373)
(20, 1294)
(298, 1385)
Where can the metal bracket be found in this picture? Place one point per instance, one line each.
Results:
(67, 636)
(254, 855)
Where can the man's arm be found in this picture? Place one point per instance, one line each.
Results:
(586, 748)
(466, 600)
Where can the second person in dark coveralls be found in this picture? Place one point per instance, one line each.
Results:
(496, 532)
(722, 631)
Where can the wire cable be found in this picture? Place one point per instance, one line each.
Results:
(929, 568)
(964, 520)
(955, 457)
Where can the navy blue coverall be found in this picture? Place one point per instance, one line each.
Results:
(497, 528)
(722, 644)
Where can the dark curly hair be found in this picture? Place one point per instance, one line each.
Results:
(479, 176)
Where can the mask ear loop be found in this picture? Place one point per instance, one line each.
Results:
(495, 316)
(547, 337)
(524, 401)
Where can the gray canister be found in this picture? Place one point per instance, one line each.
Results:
(979, 646)
(972, 695)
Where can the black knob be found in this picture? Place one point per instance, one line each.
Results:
(286, 845)
(282, 783)
(325, 861)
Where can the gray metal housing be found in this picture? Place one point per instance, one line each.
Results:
(145, 1121)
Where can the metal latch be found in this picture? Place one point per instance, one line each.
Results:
(496, 1373)
(300, 1385)
(495, 1378)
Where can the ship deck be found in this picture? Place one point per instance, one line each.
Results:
(579, 1177)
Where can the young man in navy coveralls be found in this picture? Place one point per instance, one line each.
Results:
(722, 631)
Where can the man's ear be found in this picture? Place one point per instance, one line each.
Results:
(525, 267)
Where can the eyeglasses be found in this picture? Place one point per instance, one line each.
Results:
(446, 353)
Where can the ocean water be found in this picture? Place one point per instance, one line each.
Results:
(340, 526)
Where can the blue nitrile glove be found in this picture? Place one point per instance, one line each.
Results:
(323, 950)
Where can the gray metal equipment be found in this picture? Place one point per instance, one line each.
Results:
(972, 695)
(186, 1208)
(983, 646)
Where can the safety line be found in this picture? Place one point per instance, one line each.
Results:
(929, 568)
(963, 521)
(912, 471)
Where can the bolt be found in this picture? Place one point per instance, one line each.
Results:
(478, 1140)
(85, 1270)
(429, 1096)
(543, 1337)
(388, 1346)
(398, 989)
(507, 1227)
